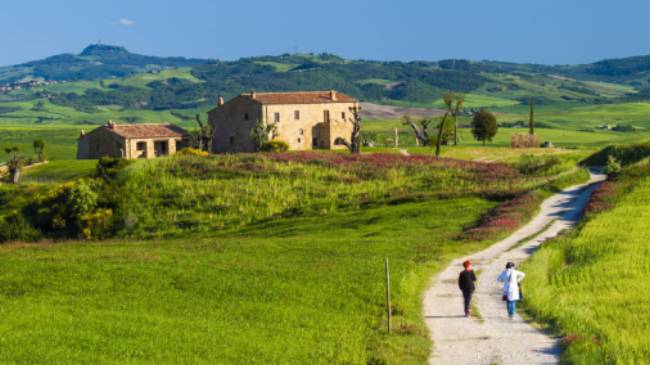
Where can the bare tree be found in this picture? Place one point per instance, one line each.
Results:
(14, 164)
(441, 129)
(454, 103)
(421, 131)
(355, 137)
(262, 133)
(204, 135)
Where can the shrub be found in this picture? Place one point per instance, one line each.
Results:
(192, 152)
(109, 167)
(537, 165)
(97, 225)
(519, 140)
(275, 146)
(624, 154)
(60, 210)
(14, 227)
(613, 167)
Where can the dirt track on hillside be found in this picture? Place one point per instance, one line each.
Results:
(377, 111)
(496, 339)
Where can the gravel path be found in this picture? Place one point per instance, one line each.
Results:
(495, 339)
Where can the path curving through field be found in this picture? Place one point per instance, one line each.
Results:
(495, 339)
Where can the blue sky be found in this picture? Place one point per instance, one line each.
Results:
(542, 31)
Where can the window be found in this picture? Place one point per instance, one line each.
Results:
(232, 139)
(296, 114)
(141, 146)
(245, 116)
(326, 115)
(299, 140)
(276, 117)
(343, 115)
(301, 132)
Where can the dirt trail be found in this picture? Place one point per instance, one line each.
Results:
(495, 339)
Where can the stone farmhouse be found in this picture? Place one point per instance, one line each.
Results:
(131, 141)
(304, 120)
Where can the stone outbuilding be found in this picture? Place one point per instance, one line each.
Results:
(132, 141)
(305, 120)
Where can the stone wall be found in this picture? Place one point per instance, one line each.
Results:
(311, 129)
(99, 143)
(233, 123)
(301, 126)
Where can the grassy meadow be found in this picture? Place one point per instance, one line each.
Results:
(253, 258)
(591, 284)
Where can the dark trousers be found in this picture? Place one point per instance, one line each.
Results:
(467, 299)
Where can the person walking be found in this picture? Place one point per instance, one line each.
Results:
(466, 283)
(511, 291)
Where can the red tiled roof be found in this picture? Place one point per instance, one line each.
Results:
(147, 130)
(301, 97)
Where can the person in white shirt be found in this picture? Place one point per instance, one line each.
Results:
(511, 292)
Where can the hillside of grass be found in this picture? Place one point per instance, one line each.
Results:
(252, 258)
(591, 285)
(103, 75)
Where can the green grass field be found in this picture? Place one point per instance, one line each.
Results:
(290, 269)
(59, 171)
(591, 285)
(291, 291)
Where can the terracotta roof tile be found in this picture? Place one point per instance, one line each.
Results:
(148, 130)
(302, 97)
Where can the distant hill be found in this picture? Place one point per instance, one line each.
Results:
(96, 61)
(417, 83)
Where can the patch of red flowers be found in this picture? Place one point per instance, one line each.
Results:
(507, 216)
(392, 160)
(602, 198)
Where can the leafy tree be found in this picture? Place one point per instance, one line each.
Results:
(14, 164)
(484, 125)
(262, 133)
(39, 149)
(454, 103)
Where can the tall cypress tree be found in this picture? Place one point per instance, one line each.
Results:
(531, 119)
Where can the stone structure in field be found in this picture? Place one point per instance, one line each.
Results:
(131, 141)
(304, 120)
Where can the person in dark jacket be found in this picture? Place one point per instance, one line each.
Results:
(466, 283)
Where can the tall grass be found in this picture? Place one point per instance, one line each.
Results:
(179, 194)
(593, 284)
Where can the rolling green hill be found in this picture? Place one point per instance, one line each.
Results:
(93, 78)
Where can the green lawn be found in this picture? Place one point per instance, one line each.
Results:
(254, 259)
(59, 171)
(592, 285)
(290, 291)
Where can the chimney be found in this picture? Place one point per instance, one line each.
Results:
(253, 94)
(333, 95)
(220, 101)
(110, 124)
(82, 133)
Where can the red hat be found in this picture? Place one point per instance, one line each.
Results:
(466, 263)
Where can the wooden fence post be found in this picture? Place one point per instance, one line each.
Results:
(388, 308)
(395, 137)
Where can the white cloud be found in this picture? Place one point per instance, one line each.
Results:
(126, 22)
